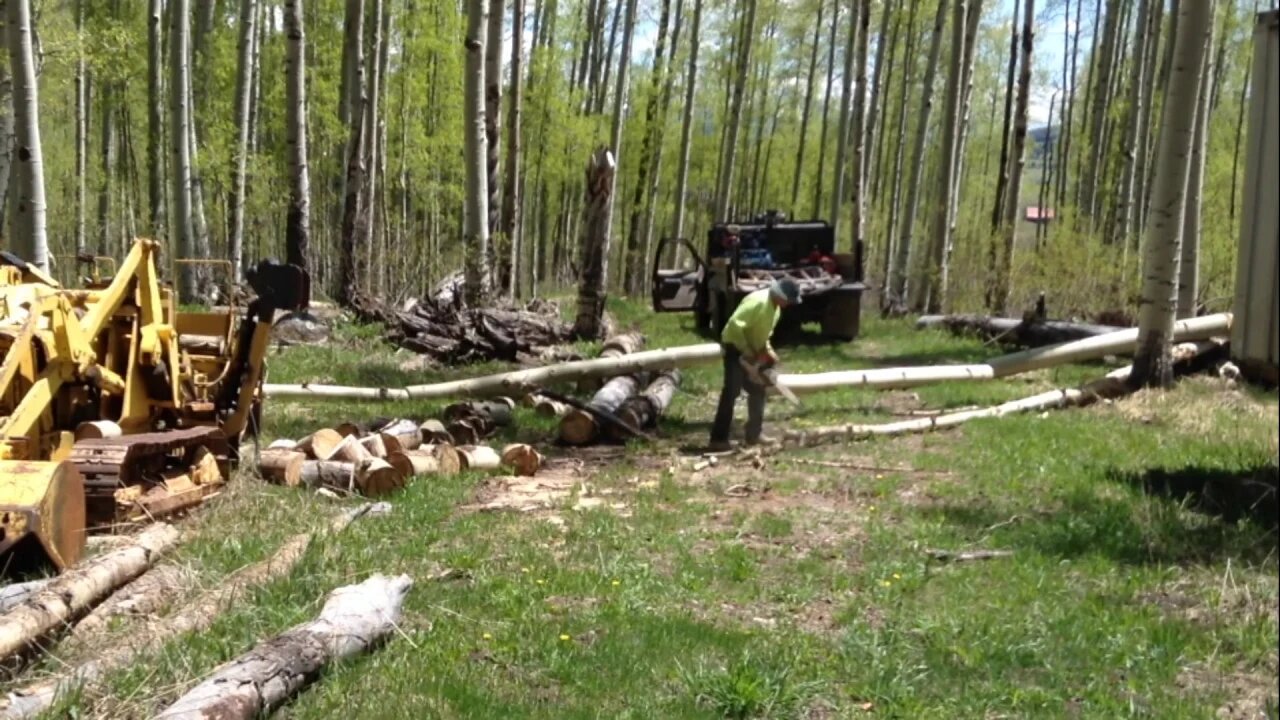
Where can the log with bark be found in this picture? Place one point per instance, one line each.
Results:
(282, 466)
(1027, 332)
(15, 594)
(479, 457)
(453, 335)
(434, 431)
(371, 477)
(355, 619)
(195, 616)
(615, 347)
(524, 459)
(320, 444)
(643, 410)
(442, 459)
(81, 587)
(581, 427)
(545, 406)
(517, 382)
(401, 435)
(146, 596)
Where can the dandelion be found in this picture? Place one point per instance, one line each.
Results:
(872, 508)
(879, 476)
(524, 570)
(896, 576)
(885, 583)
(487, 636)
(540, 581)
(616, 583)
(564, 637)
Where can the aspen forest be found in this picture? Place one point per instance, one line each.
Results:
(349, 137)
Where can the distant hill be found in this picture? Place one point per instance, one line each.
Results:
(1041, 138)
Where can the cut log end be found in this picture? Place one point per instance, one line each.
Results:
(522, 458)
(479, 458)
(578, 428)
(320, 444)
(282, 466)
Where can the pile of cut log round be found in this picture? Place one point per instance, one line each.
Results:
(381, 457)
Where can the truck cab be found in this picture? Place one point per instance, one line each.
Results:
(739, 258)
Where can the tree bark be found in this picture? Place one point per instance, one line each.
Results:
(1097, 115)
(1192, 226)
(180, 140)
(846, 101)
(81, 587)
(350, 92)
(808, 102)
(1153, 365)
(1002, 180)
(634, 273)
(643, 411)
(857, 244)
(82, 130)
(6, 143)
(512, 200)
(580, 427)
(354, 620)
(592, 290)
(1135, 131)
(498, 255)
(298, 228)
(886, 41)
(29, 240)
(826, 107)
(905, 263)
(735, 112)
(1017, 159)
(476, 216)
(686, 125)
(247, 59)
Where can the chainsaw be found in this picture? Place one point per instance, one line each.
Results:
(765, 374)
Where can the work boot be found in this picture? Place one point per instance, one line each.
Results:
(719, 446)
(766, 440)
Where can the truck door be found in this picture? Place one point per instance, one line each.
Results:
(676, 289)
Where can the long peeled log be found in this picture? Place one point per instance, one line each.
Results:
(614, 347)
(1119, 343)
(82, 587)
(196, 615)
(580, 427)
(354, 620)
(515, 383)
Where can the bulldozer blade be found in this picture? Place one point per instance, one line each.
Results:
(42, 501)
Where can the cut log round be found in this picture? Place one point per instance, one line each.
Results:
(354, 620)
(403, 464)
(643, 410)
(580, 427)
(81, 587)
(350, 450)
(479, 457)
(524, 459)
(447, 457)
(320, 444)
(375, 446)
(98, 429)
(545, 406)
(376, 477)
(497, 411)
(282, 466)
(434, 431)
(401, 435)
(330, 474)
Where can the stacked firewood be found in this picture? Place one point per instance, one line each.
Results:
(381, 457)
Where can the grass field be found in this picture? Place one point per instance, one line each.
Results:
(791, 586)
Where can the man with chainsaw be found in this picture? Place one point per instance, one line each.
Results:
(747, 353)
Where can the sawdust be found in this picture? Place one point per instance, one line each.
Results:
(560, 481)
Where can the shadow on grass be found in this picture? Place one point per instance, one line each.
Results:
(1233, 515)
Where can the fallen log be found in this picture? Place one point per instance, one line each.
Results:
(371, 477)
(614, 347)
(81, 587)
(581, 427)
(15, 594)
(517, 382)
(195, 616)
(524, 459)
(497, 411)
(643, 410)
(479, 457)
(282, 466)
(376, 477)
(1014, 331)
(320, 444)
(545, 406)
(144, 597)
(354, 620)
(329, 473)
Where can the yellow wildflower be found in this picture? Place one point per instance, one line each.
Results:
(616, 583)
(487, 636)
(564, 637)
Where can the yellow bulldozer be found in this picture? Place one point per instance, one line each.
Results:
(109, 391)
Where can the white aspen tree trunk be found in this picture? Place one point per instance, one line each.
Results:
(512, 197)
(1002, 178)
(1135, 132)
(619, 119)
(686, 124)
(668, 90)
(298, 225)
(888, 301)
(6, 139)
(498, 257)
(1103, 63)
(808, 103)
(29, 240)
(373, 149)
(180, 139)
(857, 228)
(155, 119)
(1162, 248)
(247, 58)
(351, 86)
(634, 265)
(199, 222)
(904, 262)
(82, 132)
(1017, 160)
(1192, 224)
(842, 134)
(925, 294)
(106, 103)
(476, 216)
(885, 39)
(735, 112)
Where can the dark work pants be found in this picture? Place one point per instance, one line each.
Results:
(735, 381)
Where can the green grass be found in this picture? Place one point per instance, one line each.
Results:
(808, 594)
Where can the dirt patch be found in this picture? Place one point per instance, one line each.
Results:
(1250, 695)
(1204, 599)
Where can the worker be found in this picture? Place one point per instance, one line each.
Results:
(747, 335)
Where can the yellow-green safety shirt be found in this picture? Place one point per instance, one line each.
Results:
(752, 324)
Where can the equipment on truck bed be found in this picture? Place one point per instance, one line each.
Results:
(740, 258)
(109, 393)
